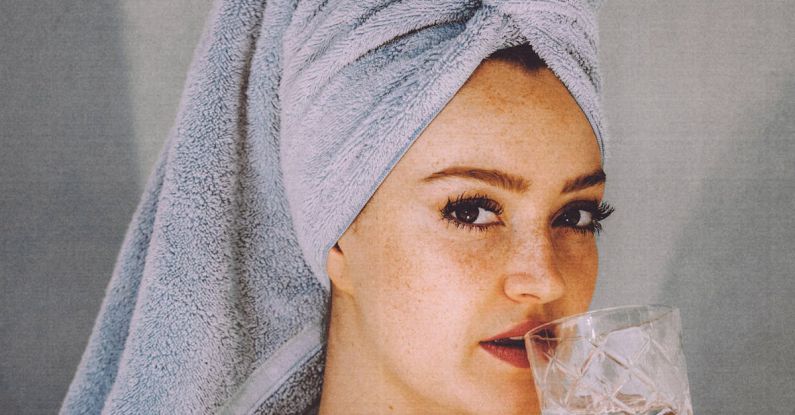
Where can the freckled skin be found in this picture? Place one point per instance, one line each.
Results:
(413, 295)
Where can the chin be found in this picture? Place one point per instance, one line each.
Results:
(508, 406)
(508, 398)
(520, 400)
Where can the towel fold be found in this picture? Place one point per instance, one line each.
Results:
(293, 114)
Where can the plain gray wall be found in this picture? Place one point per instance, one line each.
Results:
(700, 99)
(68, 183)
(89, 90)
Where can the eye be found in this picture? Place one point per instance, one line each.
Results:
(477, 212)
(576, 217)
(583, 216)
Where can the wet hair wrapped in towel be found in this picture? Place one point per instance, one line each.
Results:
(292, 115)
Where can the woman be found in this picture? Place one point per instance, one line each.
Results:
(483, 230)
(483, 188)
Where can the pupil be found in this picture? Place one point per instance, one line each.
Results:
(574, 217)
(467, 214)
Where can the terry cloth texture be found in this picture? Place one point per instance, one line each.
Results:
(293, 113)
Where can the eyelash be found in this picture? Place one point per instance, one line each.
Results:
(598, 211)
(477, 201)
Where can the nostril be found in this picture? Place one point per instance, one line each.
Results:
(524, 287)
(529, 296)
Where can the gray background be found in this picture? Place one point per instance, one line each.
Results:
(700, 99)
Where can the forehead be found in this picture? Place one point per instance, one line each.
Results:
(508, 117)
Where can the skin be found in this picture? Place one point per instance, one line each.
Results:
(413, 294)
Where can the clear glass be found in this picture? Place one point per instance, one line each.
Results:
(622, 360)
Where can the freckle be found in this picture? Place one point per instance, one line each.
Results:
(391, 408)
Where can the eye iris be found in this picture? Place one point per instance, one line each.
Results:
(467, 213)
(574, 217)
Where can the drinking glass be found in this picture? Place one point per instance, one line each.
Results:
(623, 360)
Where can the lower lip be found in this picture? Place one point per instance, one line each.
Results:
(517, 357)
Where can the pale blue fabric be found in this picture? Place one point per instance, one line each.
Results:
(293, 114)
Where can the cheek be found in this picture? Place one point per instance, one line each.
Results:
(416, 300)
(429, 271)
(467, 264)
(578, 262)
(424, 254)
(397, 275)
(416, 275)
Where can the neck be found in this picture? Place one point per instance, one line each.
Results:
(355, 380)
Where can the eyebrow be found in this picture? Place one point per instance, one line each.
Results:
(585, 181)
(515, 183)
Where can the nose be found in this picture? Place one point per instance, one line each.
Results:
(533, 274)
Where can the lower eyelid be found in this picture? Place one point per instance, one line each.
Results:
(467, 226)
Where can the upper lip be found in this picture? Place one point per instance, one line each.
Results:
(516, 331)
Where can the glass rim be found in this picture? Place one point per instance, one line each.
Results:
(664, 310)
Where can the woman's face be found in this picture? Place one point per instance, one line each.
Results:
(484, 229)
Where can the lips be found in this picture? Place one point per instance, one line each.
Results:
(509, 346)
(509, 353)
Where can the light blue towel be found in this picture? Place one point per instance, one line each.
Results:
(293, 114)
